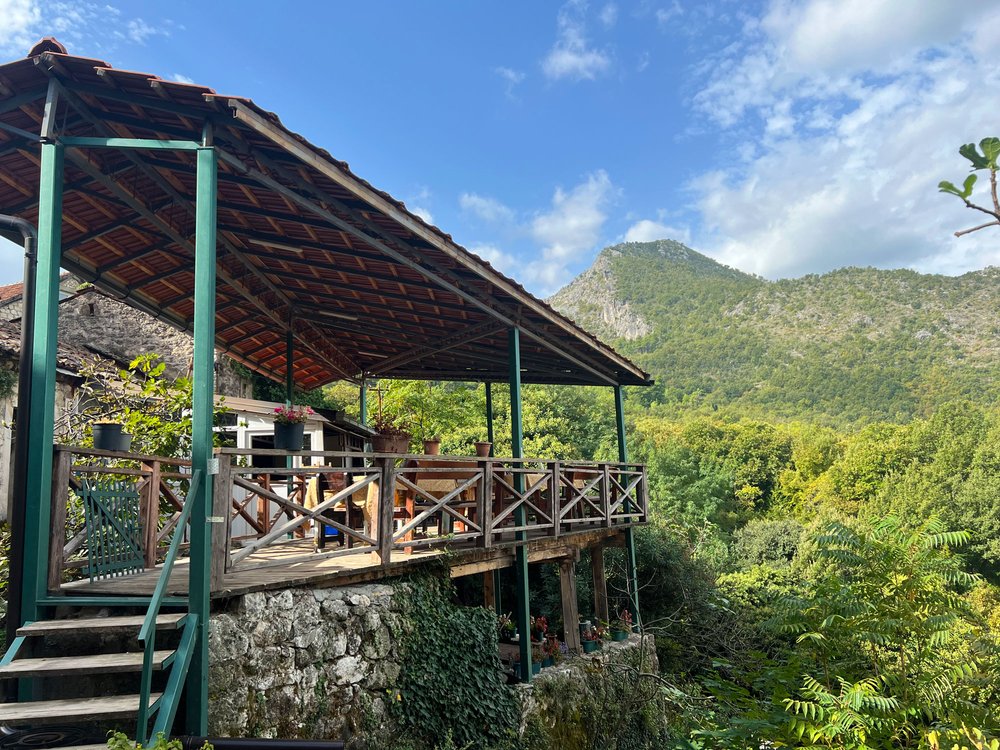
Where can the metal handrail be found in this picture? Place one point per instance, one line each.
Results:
(147, 634)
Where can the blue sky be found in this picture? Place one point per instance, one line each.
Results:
(779, 137)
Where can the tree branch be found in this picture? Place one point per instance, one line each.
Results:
(976, 229)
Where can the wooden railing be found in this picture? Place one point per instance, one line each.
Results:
(384, 506)
(393, 504)
(161, 484)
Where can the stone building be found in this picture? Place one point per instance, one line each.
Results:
(94, 324)
(67, 383)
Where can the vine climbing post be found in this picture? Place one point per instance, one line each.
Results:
(632, 583)
(521, 550)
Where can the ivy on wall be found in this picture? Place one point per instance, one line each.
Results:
(452, 684)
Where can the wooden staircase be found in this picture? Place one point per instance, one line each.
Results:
(21, 663)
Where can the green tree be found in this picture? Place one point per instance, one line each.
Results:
(887, 646)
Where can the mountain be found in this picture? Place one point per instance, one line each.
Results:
(853, 345)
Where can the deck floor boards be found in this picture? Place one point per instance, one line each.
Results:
(293, 563)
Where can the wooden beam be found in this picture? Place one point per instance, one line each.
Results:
(570, 613)
(466, 336)
(489, 590)
(600, 580)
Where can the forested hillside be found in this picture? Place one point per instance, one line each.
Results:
(848, 347)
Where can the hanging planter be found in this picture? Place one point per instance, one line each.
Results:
(108, 436)
(289, 437)
(290, 427)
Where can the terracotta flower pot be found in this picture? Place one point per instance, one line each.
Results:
(483, 448)
(391, 443)
(432, 447)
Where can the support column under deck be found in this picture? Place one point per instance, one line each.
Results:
(570, 608)
(600, 580)
(494, 586)
(523, 607)
(632, 583)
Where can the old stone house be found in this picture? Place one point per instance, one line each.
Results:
(94, 324)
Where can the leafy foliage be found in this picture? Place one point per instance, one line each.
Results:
(154, 409)
(451, 683)
(883, 637)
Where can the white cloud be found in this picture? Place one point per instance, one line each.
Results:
(487, 209)
(84, 27)
(851, 35)
(570, 230)
(17, 31)
(511, 79)
(665, 15)
(180, 78)
(423, 213)
(139, 31)
(845, 116)
(609, 15)
(647, 230)
(572, 56)
(503, 262)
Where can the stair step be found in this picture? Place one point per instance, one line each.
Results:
(72, 709)
(43, 627)
(98, 664)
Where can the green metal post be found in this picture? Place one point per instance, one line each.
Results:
(289, 369)
(41, 415)
(491, 437)
(289, 391)
(201, 431)
(521, 550)
(630, 564)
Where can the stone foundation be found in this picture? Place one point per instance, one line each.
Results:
(304, 663)
(324, 663)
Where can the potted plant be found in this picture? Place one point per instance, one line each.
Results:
(483, 448)
(622, 627)
(290, 427)
(590, 640)
(390, 437)
(432, 446)
(539, 627)
(537, 657)
(551, 651)
(506, 629)
(109, 436)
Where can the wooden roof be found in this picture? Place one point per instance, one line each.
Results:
(369, 287)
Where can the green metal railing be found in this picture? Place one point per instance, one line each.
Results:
(165, 708)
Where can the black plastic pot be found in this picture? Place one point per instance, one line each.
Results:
(107, 436)
(289, 437)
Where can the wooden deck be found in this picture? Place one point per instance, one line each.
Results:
(272, 572)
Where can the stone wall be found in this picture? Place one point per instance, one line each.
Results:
(311, 663)
(105, 325)
(324, 663)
